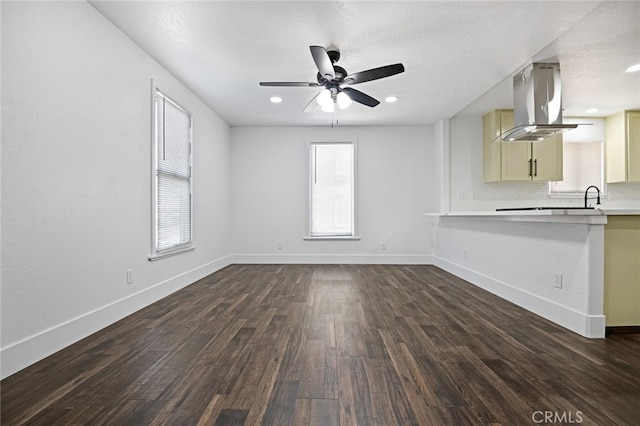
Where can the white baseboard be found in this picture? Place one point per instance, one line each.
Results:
(28, 351)
(592, 326)
(335, 259)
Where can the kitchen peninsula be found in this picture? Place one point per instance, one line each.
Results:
(551, 262)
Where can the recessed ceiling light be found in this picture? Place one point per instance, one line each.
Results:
(276, 99)
(633, 68)
(391, 99)
(592, 110)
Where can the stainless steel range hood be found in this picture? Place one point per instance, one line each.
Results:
(537, 104)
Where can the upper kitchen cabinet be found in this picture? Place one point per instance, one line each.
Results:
(512, 161)
(494, 124)
(622, 147)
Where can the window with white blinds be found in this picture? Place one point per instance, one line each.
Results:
(332, 189)
(172, 176)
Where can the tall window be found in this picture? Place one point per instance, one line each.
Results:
(172, 177)
(332, 189)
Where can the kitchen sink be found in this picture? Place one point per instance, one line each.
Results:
(543, 208)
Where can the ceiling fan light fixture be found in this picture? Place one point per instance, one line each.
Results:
(343, 100)
(327, 108)
(275, 99)
(391, 99)
(633, 68)
(324, 98)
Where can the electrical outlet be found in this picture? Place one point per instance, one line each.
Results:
(129, 276)
(558, 281)
(279, 245)
(383, 246)
(464, 254)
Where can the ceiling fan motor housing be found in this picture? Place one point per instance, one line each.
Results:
(334, 55)
(340, 73)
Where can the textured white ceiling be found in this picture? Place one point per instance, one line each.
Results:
(453, 51)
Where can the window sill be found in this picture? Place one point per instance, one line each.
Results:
(330, 238)
(573, 195)
(163, 255)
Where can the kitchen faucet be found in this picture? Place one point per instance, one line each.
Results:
(587, 193)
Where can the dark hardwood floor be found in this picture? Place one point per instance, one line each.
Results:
(331, 345)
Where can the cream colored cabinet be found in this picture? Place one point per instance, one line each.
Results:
(622, 271)
(622, 147)
(507, 161)
(493, 125)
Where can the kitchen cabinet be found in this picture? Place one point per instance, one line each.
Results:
(622, 271)
(622, 147)
(511, 161)
(494, 124)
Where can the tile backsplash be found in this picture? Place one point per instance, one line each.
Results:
(469, 194)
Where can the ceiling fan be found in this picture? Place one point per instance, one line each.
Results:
(332, 77)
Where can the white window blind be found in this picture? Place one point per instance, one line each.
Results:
(332, 190)
(172, 171)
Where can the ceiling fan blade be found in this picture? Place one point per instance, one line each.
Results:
(312, 106)
(323, 62)
(374, 74)
(288, 84)
(358, 96)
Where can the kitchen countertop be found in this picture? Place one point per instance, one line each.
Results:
(630, 212)
(559, 215)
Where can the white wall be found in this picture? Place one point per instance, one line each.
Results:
(622, 195)
(76, 179)
(398, 180)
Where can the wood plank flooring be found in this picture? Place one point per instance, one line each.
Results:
(331, 345)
